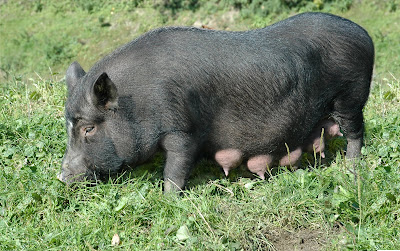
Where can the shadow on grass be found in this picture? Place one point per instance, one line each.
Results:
(208, 170)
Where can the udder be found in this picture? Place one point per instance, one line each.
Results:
(292, 158)
(229, 159)
(326, 129)
(259, 164)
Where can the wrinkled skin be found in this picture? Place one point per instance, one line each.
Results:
(194, 92)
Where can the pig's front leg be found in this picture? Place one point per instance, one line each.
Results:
(181, 152)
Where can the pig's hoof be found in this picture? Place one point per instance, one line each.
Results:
(171, 187)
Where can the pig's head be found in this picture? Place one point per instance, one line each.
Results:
(100, 142)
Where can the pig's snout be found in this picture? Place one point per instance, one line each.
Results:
(60, 177)
(73, 169)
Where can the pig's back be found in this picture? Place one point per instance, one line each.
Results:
(272, 84)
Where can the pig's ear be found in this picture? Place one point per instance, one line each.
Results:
(104, 93)
(74, 73)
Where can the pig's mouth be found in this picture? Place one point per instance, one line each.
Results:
(80, 170)
(90, 177)
(69, 177)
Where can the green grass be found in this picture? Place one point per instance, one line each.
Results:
(323, 207)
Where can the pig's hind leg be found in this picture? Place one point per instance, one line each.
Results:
(348, 113)
(181, 151)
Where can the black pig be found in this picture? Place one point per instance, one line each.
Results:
(199, 92)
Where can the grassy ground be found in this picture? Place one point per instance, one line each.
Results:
(321, 207)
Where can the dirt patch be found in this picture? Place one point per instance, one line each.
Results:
(302, 239)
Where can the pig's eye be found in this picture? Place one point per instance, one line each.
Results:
(89, 130)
